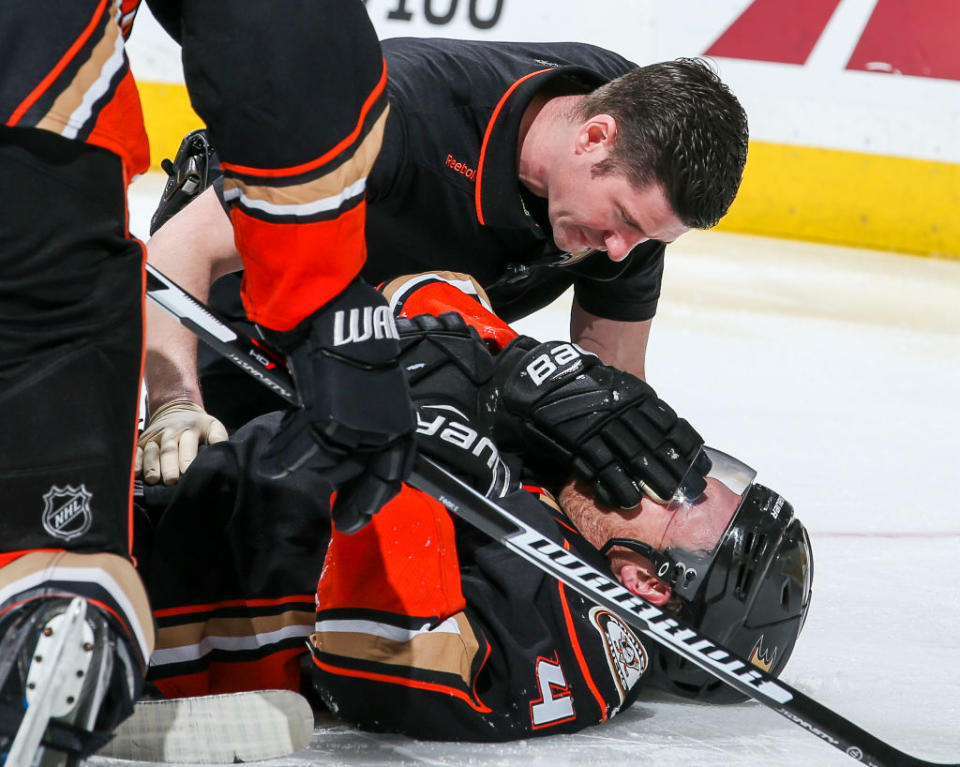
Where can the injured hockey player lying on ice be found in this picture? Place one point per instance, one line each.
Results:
(424, 625)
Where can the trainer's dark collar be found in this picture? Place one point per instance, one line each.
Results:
(497, 194)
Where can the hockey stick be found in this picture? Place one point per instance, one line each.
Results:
(572, 570)
(242, 350)
(602, 588)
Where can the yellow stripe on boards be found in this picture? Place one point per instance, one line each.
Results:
(168, 116)
(851, 198)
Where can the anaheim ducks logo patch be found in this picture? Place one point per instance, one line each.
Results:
(763, 658)
(626, 656)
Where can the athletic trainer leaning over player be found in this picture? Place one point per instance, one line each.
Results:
(532, 166)
(432, 629)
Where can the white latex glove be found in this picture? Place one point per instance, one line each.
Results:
(170, 442)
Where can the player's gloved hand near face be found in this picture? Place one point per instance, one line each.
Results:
(562, 405)
(449, 370)
(171, 440)
(356, 423)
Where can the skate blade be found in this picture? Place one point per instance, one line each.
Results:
(216, 729)
(60, 662)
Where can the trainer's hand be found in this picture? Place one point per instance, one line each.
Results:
(170, 442)
(356, 423)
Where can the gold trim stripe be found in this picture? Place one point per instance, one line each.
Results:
(330, 185)
(442, 652)
(189, 634)
(59, 564)
(58, 116)
(406, 281)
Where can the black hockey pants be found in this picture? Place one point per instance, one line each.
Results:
(71, 297)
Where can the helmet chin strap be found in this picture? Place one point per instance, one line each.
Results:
(666, 569)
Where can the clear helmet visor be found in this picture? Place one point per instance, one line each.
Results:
(693, 529)
(698, 525)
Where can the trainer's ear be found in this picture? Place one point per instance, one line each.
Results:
(597, 133)
(640, 580)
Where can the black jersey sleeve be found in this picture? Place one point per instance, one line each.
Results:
(627, 294)
(461, 639)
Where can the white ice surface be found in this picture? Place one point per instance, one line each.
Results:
(836, 374)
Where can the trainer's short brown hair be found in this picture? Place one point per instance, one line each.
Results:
(680, 126)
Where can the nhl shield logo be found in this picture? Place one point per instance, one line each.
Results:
(66, 511)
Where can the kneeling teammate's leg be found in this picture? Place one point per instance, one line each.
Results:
(71, 287)
(75, 634)
(295, 159)
(71, 337)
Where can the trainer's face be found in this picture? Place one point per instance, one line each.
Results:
(604, 212)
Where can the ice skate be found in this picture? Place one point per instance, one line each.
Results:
(68, 677)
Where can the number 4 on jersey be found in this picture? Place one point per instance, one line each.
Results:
(556, 702)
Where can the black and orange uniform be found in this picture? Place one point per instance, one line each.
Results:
(71, 276)
(71, 303)
(230, 559)
(437, 632)
(294, 100)
(428, 628)
(233, 588)
(444, 193)
(423, 625)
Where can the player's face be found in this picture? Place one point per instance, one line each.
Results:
(604, 212)
(694, 527)
(698, 526)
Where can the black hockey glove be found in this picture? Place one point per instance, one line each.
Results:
(569, 411)
(356, 422)
(449, 371)
(193, 169)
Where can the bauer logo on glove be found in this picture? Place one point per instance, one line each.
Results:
(569, 412)
(555, 363)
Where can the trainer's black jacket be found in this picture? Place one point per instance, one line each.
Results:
(444, 192)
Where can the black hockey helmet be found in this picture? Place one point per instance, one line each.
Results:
(750, 594)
